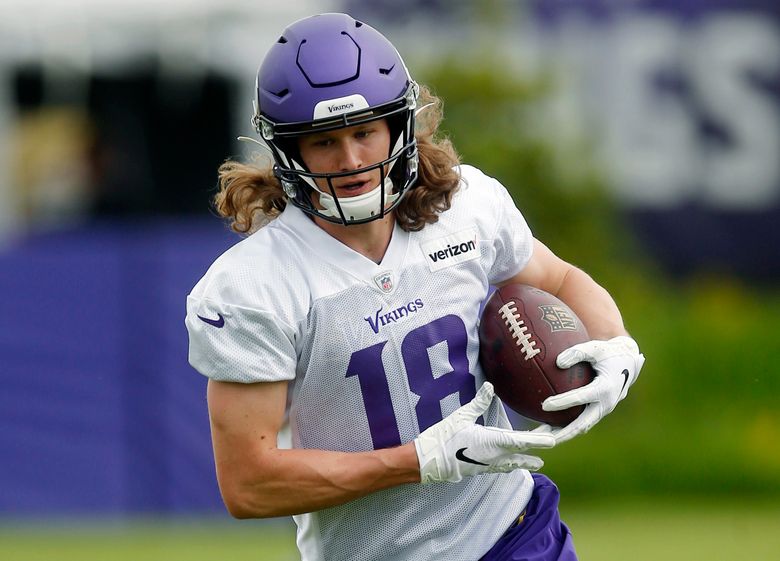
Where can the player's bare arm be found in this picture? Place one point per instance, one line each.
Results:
(589, 300)
(258, 480)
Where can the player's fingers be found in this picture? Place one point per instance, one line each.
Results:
(544, 428)
(519, 461)
(568, 358)
(580, 425)
(477, 406)
(535, 439)
(639, 361)
(595, 351)
(512, 462)
(573, 355)
(521, 440)
(572, 398)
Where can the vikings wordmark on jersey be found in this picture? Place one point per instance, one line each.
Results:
(382, 318)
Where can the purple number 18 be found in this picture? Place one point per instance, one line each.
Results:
(367, 365)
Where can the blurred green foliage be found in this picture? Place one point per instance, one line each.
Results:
(705, 415)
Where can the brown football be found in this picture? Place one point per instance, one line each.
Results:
(521, 332)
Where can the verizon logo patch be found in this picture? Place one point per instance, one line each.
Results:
(450, 250)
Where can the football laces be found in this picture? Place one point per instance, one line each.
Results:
(518, 330)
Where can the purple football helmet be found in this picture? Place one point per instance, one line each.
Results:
(327, 72)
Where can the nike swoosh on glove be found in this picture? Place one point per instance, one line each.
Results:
(456, 447)
(617, 363)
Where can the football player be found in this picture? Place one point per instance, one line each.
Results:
(350, 315)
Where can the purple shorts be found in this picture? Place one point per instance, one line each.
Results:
(540, 535)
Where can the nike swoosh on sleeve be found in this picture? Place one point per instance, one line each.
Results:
(218, 323)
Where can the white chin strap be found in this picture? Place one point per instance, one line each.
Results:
(360, 206)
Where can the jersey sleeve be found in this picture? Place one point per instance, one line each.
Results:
(512, 238)
(231, 343)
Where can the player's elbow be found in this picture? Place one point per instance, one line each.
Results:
(234, 501)
(244, 503)
(240, 506)
(239, 511)
(235, 505)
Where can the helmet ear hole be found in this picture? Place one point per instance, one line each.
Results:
(397, 124)
(289, 147)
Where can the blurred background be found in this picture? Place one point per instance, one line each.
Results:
(641, 138)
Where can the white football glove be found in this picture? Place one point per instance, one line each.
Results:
(456, 447)
(617, 363)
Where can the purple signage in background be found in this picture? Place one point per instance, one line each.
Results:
(686, 97)
(100, 412)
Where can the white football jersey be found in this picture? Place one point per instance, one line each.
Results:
(376, 353)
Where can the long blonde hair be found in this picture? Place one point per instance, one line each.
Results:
(250, 195)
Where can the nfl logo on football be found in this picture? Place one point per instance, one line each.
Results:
(384, 281)
(558, 318)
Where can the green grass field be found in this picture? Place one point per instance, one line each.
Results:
(720, 529)
(638, 530)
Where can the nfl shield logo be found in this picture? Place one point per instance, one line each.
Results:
(384, 281)
(558, 318)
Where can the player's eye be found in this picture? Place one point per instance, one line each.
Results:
(321, 142)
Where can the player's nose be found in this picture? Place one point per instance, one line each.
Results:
(349, 156)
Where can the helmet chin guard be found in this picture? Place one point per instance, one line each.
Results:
(360, 207)
(328, 72)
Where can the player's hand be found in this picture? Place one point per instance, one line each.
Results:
(617, 363)
(456, 447)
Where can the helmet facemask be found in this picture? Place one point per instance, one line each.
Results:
(398, 172)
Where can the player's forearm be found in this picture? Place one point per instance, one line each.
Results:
(592, 304)
(285, 482)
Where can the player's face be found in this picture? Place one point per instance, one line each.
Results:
(347, 149)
